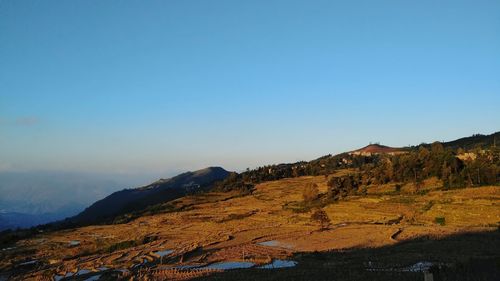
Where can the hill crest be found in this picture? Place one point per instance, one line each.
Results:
(377, 149)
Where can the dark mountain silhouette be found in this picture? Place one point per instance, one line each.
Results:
(163, 190)
(478, 140)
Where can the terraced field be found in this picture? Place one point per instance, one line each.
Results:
(256, 229)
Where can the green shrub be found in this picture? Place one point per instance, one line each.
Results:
(122, 245)
(440, 220)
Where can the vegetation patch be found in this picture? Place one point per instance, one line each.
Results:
(440, 220)
(428, 205)
(322, 218)
(122, 245)
(401, 200)
(231, 217)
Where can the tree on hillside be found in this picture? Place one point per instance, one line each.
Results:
(383, 172)
(437, 147)
(340, 187)
(310, 192)
(322, 218)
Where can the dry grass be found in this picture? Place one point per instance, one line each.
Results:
(220, 227)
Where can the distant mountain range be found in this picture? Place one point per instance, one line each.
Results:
(163, 190)
(13, 220)
(30, 198)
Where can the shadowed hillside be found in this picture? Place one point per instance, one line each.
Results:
(468, 256)
(163, 190)
(474, 141)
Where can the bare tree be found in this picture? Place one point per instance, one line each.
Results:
(322, 218)
(310, 192)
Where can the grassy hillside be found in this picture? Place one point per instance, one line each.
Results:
(217, 227)
(349, 217)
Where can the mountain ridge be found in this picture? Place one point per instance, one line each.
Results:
(160, 191)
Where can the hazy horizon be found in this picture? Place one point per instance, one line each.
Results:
(161, 87)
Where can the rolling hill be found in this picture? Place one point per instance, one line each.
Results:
(377, 149)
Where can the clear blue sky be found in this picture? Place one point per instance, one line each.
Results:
(166, 86)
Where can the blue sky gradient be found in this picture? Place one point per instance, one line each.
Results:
(168, 86)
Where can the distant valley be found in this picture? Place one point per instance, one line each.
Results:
(38, 197)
